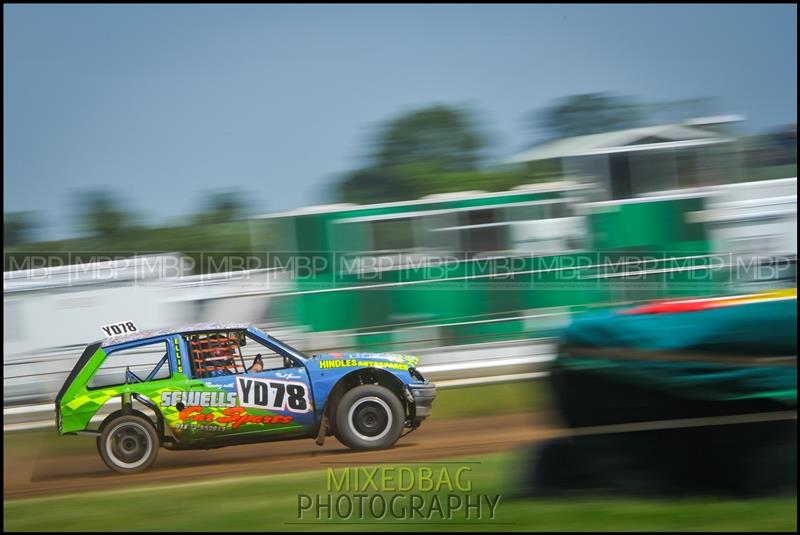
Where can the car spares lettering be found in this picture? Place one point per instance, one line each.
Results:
(233, 416)
(272, 394)
(200, 399)
(123, 327)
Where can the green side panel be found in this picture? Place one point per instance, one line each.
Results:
(661, 229)
(643, 224)
(329, 311)
(79, 403)
(483, 332)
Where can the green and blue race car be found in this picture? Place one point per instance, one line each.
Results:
(218, 384)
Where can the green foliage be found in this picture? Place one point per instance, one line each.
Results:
(595, 113)
(433, 150)
(412, 182)
(441, 138)
(439, 150)
(17, 227)
(221, 207)
(213, 247)
(370, 184)
(590, 113)
(102, 215)
(217, 238)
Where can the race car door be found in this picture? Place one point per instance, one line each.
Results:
(241, 386)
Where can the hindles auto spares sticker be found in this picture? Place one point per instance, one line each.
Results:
(354, 363)
(366, 360)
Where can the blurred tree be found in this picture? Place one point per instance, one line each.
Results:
(220, 243)
(412, 153)
(17, 228)
(594, 113)
(589, 113)
(366, 185)
(102, 214)
(440, 136)
(221, 207)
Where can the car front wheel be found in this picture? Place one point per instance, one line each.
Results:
(128, 444)
(369, 417)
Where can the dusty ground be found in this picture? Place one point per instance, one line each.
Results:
(33, 473)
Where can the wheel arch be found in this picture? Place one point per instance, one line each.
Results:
(363, 376)
(117, 413)
(159, 424)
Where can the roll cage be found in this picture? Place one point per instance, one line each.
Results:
(131, 377)
(218, 352)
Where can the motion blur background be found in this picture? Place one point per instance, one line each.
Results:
(455, 182)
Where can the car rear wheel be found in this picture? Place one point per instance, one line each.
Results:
(369, 417)
(128, 444)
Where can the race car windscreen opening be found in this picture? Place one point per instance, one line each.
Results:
(289, 350)
(271, 360)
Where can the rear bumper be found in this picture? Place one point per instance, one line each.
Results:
(423, 395)
(58, 417)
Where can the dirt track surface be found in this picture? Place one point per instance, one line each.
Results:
(37, 475)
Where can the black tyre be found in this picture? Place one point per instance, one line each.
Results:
(369, 417)
(128, 444)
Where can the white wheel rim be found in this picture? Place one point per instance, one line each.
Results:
(383, 405)
(110, 446)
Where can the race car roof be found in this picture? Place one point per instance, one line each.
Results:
(193, 327)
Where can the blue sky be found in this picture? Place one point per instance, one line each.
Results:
(164, 103)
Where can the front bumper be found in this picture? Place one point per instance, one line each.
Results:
(423, 394)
